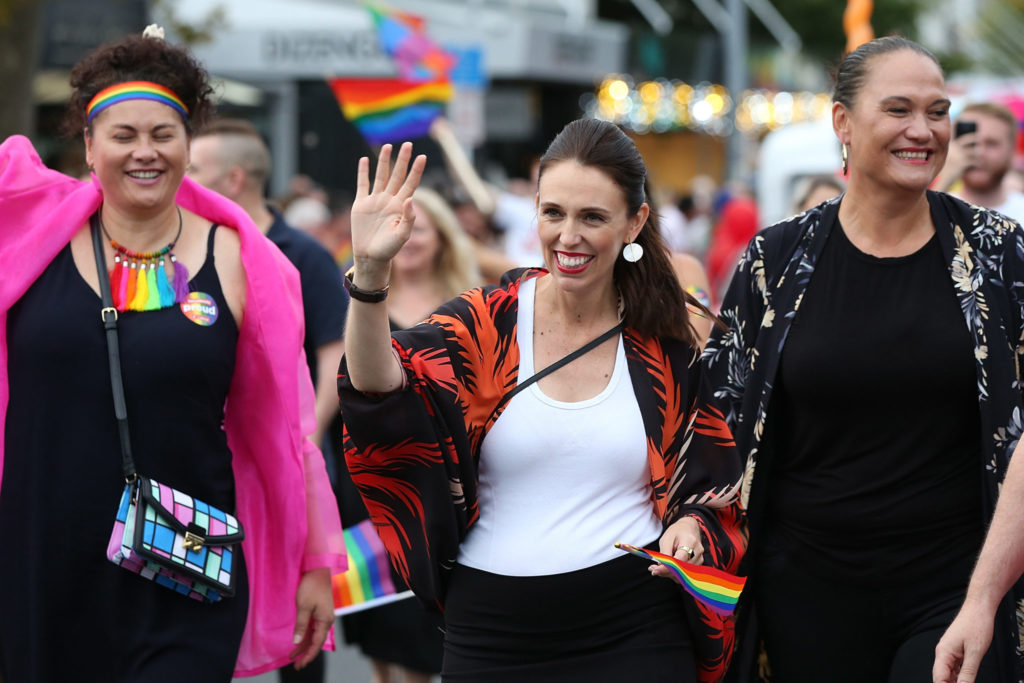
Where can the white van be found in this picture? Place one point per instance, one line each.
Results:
(789, 154)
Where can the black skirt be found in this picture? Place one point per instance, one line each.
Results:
(613, 621)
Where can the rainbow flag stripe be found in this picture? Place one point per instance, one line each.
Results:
(134, 90)
(390, 110)
(367, 581)
(717, 589)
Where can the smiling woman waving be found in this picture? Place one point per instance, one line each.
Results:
(211, 407)
(500, 492)
(870, 367)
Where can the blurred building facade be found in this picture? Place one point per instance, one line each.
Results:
(535, 58)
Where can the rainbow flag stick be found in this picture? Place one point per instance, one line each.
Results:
(717, 589)
(370, 604)
(367, 581)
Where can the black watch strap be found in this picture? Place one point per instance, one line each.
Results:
(368, 296)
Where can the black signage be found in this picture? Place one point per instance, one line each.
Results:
(304, 47)
(571, 49)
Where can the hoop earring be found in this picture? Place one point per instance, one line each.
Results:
(632, 252)
(845, 153)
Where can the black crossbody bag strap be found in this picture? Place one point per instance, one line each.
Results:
(537, 376)
(109, 316)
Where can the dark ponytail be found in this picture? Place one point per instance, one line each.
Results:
(655, 304)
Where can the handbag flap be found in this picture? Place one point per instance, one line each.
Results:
(186, 514)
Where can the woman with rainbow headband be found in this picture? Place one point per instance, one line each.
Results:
(219, 402)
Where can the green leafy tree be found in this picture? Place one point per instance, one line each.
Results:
(187, 33)
(996, 31)
(819, 23)
(20, 42)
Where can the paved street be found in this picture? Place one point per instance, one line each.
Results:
(347, 665)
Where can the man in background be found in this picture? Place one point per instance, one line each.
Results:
(980, 159)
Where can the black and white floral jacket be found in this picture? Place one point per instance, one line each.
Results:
(985, 253)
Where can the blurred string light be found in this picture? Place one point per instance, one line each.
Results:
(662, 105)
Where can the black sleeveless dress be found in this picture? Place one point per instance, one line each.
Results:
(66, 612)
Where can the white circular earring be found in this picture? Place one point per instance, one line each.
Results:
(632, 252)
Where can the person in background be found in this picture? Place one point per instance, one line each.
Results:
(737, 223)
(671, 221)
(503, 510)
(301, 185)
(308, 214)
(230, 157)
(513, 215)
(697, 207)
(694, 281)
(959, 653)
(869, 368)
(335, 235)
(980, 160)
(403, 641)
(691, 275)
(815, 189)
(219, 404)
(1014, 181)
(436, 264)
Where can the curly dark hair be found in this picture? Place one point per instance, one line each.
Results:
(139, 59)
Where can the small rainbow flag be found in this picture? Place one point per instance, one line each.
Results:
(367, 581)
(717, 589)
(390, 109)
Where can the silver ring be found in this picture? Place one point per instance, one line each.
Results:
(688, 550)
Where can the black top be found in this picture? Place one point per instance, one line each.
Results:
(324, 299)
(877, 418)
(66, 612)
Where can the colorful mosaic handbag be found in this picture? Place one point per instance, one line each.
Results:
(159, 532)
(175, 540)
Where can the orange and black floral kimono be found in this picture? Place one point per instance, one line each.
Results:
(413, 453)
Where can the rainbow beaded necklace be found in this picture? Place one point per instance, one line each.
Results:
(139, 280)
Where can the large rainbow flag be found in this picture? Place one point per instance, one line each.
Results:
(402, 108)
(717, 589)
(367, 581)
(390, 109)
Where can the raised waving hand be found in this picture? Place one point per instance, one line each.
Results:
(382, 217)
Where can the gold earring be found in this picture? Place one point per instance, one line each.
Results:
(846, 158)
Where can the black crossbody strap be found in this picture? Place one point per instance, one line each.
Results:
(537, 376)
(109, 316)
(594, 343)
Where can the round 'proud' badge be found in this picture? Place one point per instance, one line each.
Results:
(200, 308)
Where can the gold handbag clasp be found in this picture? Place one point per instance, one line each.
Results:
(193, 542)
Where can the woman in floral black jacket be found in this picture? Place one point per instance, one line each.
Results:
(871, 368)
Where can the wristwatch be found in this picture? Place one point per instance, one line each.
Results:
(369, 296)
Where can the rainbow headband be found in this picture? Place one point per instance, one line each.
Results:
(134, 90)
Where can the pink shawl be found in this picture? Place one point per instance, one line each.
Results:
(284, 498)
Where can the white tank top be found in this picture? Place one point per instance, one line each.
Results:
(560, 483)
